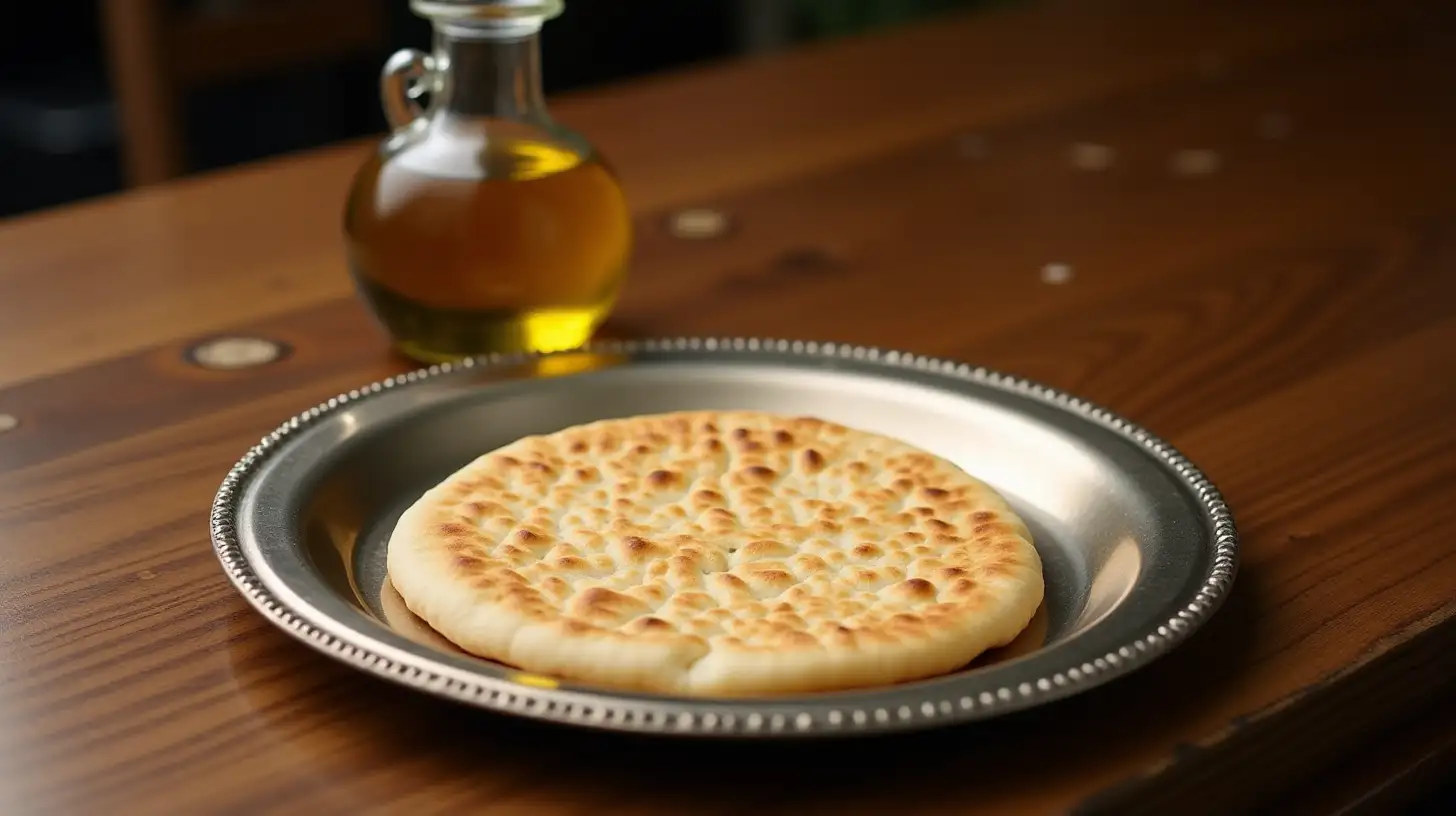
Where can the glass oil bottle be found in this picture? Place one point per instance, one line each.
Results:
(481, 224)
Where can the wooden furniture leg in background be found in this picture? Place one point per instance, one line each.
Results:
(145, 90)
(157, 53)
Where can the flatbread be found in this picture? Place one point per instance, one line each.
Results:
(718, 554)
(407, 623)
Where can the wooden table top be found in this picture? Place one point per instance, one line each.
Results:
(1264, 274)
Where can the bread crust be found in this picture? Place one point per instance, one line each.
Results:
(718, 554)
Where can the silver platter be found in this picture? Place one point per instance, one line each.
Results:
(1138, 547)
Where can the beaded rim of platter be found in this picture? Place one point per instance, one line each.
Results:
(517, 694)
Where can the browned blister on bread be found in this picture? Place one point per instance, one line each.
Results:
(718, 553)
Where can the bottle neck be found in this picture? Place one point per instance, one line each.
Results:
(490, 74)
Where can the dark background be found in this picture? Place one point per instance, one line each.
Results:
(58, 131)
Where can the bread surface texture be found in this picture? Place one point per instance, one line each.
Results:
(718, 554)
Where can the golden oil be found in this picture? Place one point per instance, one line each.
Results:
(482, 224)
(528, 255)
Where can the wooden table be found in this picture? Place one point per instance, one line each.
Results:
(1264, 273)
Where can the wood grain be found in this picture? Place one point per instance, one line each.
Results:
(231, 246)
(1399, 771)
(1288, 321)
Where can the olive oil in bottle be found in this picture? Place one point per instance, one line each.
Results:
(482, 225)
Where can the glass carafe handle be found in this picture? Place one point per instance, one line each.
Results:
(409, 74)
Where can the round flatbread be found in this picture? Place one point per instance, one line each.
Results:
(718, 554)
